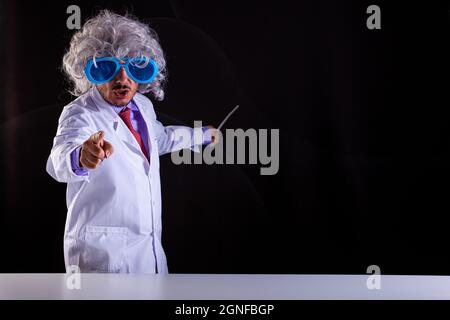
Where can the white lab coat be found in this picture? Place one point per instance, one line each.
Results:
(114, 214)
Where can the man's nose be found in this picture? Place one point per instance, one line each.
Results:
(121, 75)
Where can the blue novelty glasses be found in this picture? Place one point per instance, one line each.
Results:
(140, 70)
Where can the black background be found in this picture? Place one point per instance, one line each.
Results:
(364, 134)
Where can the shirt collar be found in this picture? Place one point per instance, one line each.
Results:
(131, 105)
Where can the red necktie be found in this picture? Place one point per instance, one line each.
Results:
(125, 116)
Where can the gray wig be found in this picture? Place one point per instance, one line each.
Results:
(111, 35)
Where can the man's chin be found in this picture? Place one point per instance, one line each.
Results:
(121, 101)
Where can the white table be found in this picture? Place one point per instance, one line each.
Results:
(221, 287)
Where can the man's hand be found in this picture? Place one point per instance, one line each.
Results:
(214, 135)
(94, 150)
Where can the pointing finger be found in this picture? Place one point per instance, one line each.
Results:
(97, 138)
(108, 149)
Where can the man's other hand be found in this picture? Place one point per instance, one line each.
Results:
(214, 135)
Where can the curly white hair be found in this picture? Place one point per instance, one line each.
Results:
(111, 35)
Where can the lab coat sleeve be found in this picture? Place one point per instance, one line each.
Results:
(175, 138)
(74, 128)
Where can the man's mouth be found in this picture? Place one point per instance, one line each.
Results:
(121, 93)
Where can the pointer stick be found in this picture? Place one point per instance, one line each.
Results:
(228, 115)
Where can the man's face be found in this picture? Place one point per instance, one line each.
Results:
(120, 90)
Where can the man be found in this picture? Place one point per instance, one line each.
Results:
(108, 144)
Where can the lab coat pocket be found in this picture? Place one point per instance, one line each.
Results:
(104, 249)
